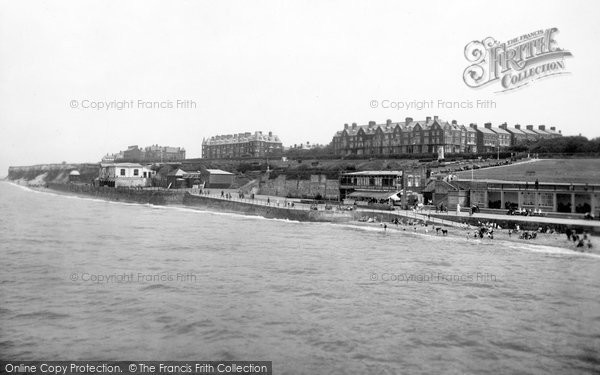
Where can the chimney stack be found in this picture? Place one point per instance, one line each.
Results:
(553, 128)
(503, 126)
(270, 134)
(454, 122)
(371, 124)
(529, 127)
(345, 126)
(435, 118)
(353, 125)
(473, 125)
(517, 126)
(488, 125)
(542, 127)
(408, 120)
(388, 122)
(560, 132)
(428, 119)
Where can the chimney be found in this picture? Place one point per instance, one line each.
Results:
(371, 124)
(560, 132)
(428, 119)
(517, 126)
(488, 125)
(353, 125)
(454, 122)
(388, 122)
(529, 127)
(474, 126)
(408, 120)
(503, 126)
(345, 126)
(542, 127)
(270, 134)
(435, 118)
(553, 128)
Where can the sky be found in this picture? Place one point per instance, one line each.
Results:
(298, 68)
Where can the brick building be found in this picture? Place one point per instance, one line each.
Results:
(251, 145)
(432, 135)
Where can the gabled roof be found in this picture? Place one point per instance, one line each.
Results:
(385, 128)
(515, 131)
(498, 130)
(485, 130)
(541, 132)
(527, 131)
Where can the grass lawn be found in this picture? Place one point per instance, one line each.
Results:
(546, 170)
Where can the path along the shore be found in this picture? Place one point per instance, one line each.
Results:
(417, 219)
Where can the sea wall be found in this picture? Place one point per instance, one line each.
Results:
(271, 212)
(144, 196)
(292, 188)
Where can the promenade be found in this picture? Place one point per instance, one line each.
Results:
(453, 215)
(450, 218)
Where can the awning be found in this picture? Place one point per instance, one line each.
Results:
(379, 195)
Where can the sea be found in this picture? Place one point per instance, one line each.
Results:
(87, 279)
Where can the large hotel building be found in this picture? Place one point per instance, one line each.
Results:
(430, 136)
(241, 145)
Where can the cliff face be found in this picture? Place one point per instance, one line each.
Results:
(52, 173)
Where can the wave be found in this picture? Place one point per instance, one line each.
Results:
(549, 249)
(191, 209)
(537, 248)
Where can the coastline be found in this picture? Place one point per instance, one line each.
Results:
(410, 228)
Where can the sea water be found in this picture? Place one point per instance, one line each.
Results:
(86, 279)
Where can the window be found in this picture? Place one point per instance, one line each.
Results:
(546, 200)
(122, 171)
(136, 172)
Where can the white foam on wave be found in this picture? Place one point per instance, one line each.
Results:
(550, 250)
(192, 209)
(544, 249)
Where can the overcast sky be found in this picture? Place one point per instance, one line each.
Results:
(299, 68)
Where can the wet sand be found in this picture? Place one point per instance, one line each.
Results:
(558, 240)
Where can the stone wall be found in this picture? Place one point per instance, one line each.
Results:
(271, 212)
(152, 196)
(292, 188)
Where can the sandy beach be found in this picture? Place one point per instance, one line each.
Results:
(467, 232)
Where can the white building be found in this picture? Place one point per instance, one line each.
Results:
(125, 174)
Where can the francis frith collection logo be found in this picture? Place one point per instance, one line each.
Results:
(514, 63)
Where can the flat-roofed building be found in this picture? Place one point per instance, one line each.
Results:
(217, 178)
(547, 196)
(375, 185)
